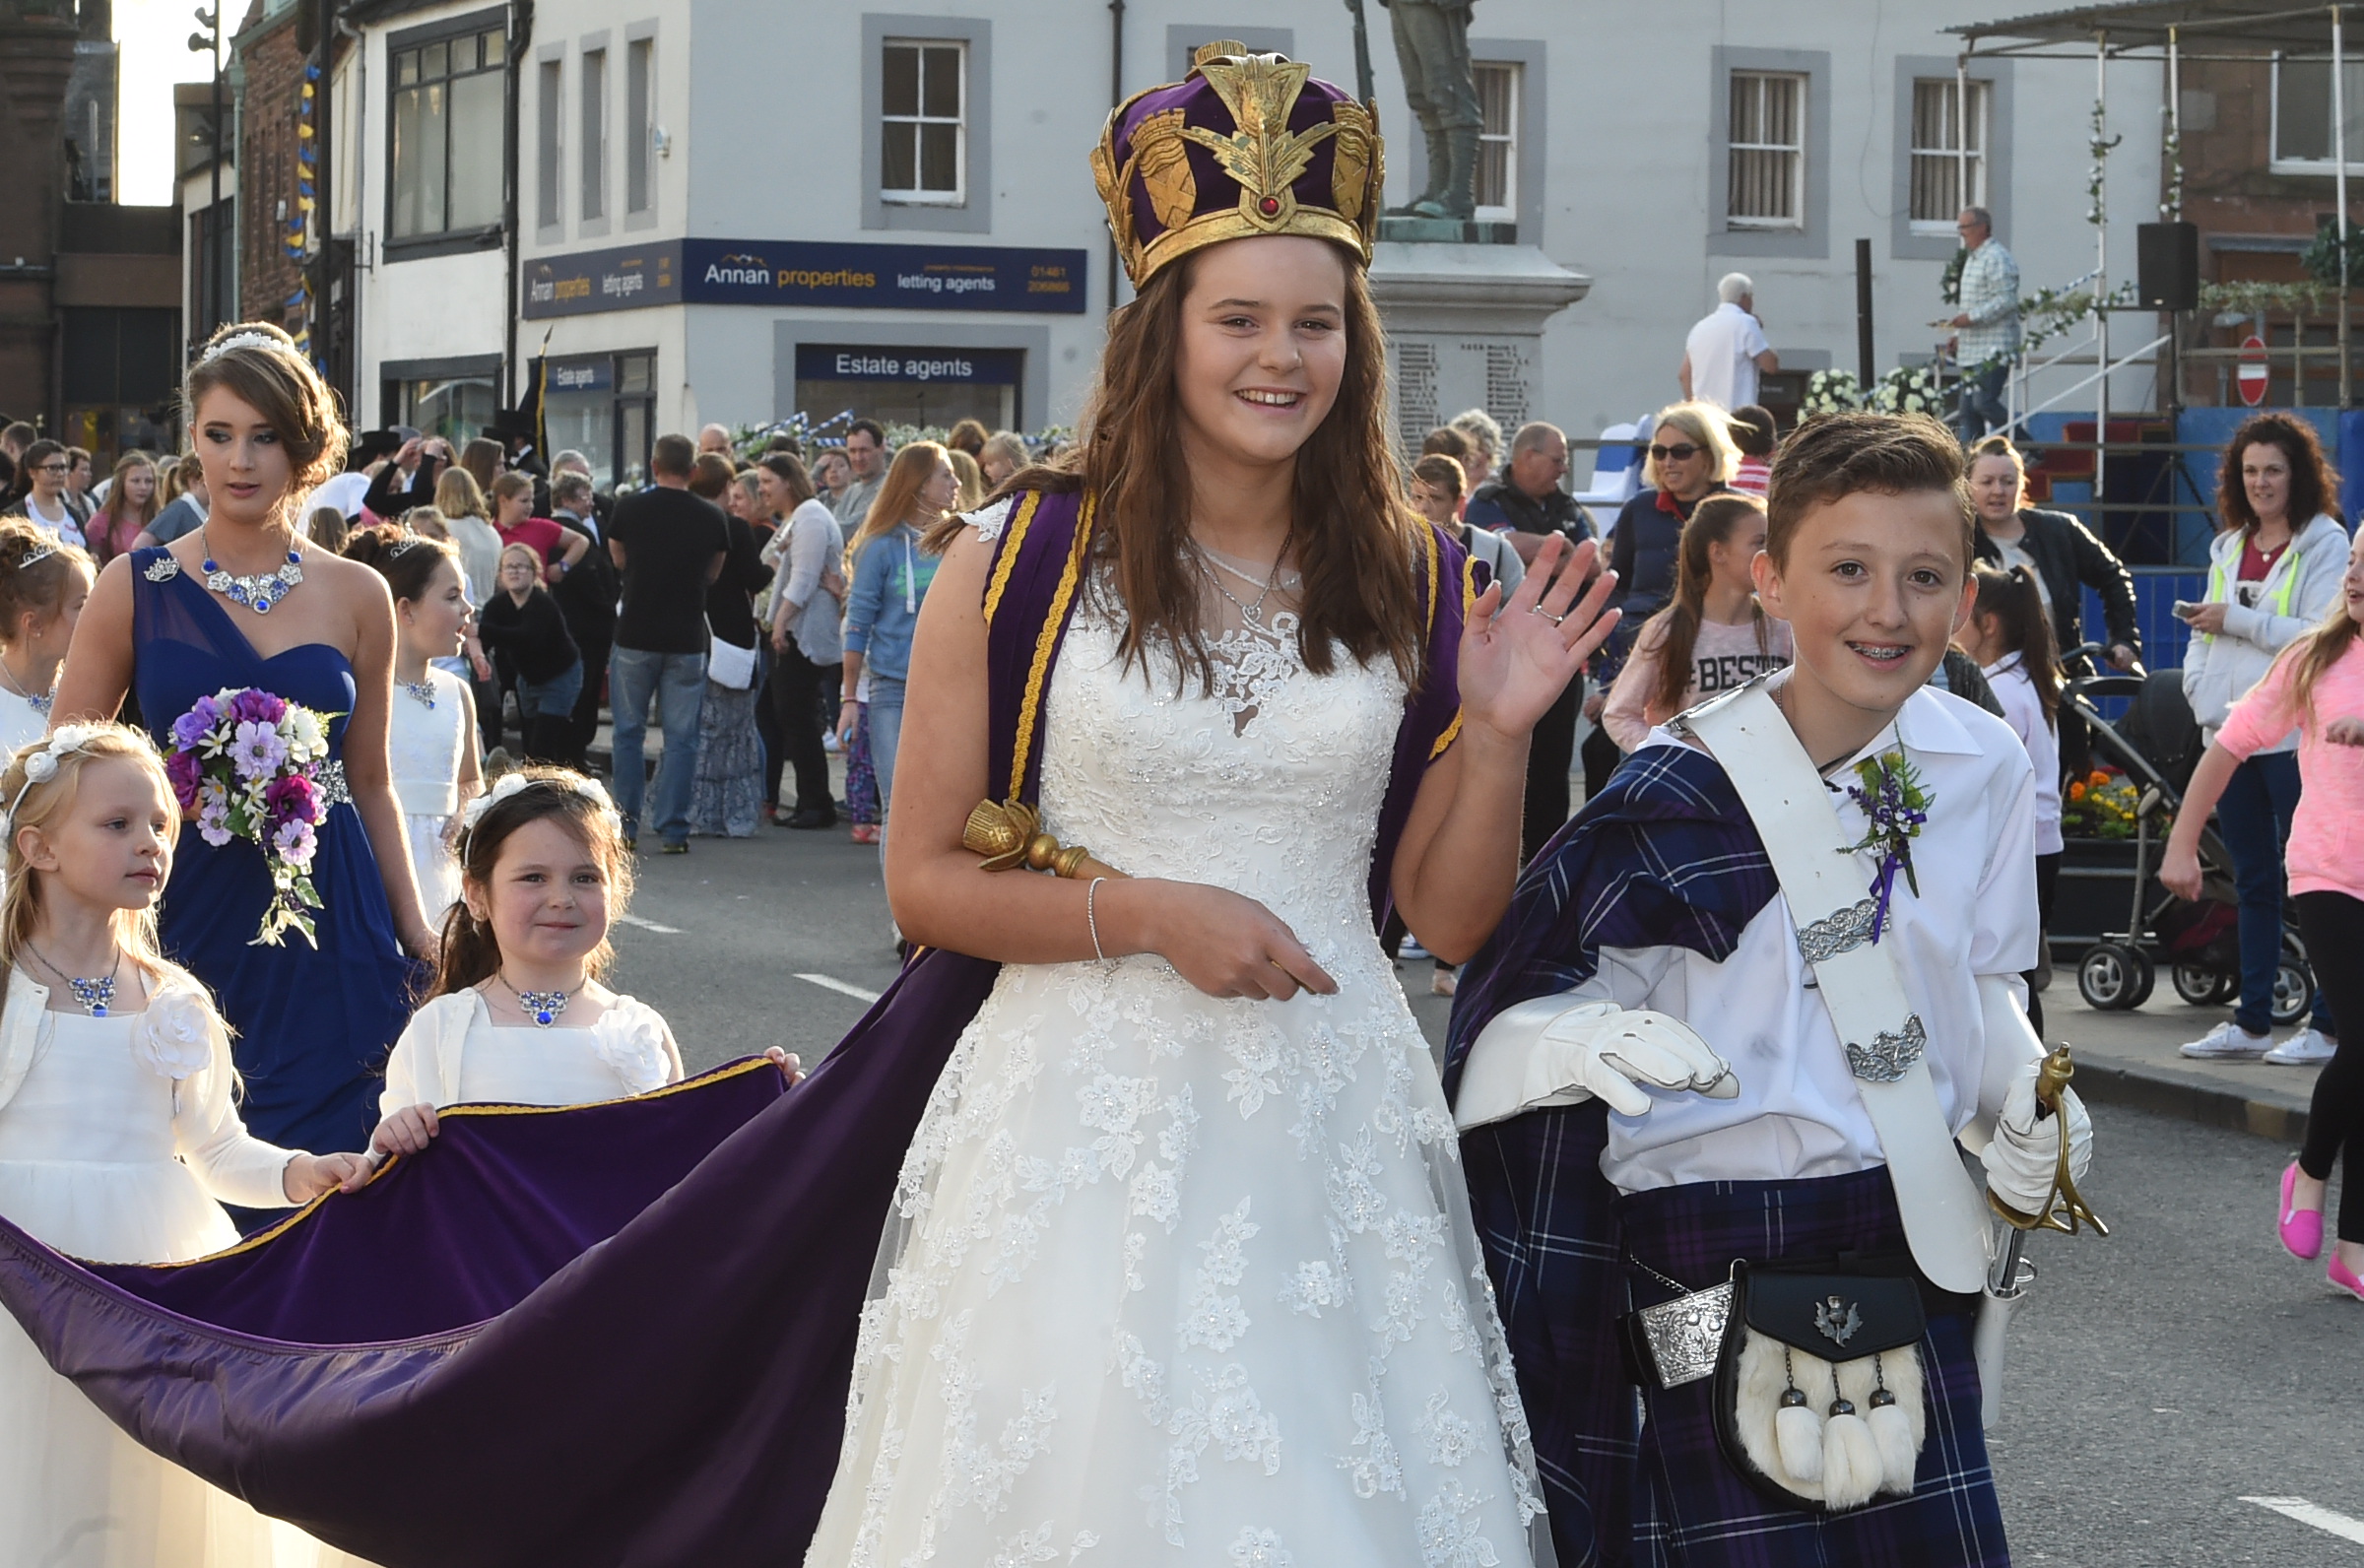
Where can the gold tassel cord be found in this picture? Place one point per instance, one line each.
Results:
(1009, 834)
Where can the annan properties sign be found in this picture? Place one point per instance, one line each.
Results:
(747, 272)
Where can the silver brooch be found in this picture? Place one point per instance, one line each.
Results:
(164, 570)
(1890, 1055)
(1836, 1319)
(1834, 934)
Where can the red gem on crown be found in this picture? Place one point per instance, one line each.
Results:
(1269, 206)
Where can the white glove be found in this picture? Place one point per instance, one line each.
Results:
(1544, 1052)
(2026, 1151)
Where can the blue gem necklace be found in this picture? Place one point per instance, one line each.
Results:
(95, 994)
(543, 1006)
(257, 591)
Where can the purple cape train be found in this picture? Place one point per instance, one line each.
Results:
(608, 1335)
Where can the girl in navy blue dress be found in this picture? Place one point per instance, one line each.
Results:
(245, 601)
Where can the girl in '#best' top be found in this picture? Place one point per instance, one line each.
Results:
(119, 1140)
(1713, 636)
(2318, 687)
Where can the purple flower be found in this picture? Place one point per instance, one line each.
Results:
(212, 826)
(191, 728)
(292, 799)
(257, 751)
(257, 705)
(294, 842)
(185, 772)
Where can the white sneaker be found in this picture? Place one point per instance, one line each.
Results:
(2228, 1042)
(1412, 952)
(2306, 1048)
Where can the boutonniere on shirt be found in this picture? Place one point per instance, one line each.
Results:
(1895, 806)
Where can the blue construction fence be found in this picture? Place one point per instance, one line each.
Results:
(2192, 480)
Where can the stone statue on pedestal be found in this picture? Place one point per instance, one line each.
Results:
(1432, 47)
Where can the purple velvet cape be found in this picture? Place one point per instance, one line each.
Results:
(608, 1335)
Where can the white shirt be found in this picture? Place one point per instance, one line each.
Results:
(2024, 711)
(65, 527)
(1723, 349)
(1799, 1113)
(344, 492)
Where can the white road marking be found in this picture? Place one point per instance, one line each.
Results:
(2321, 1518)
(832, 983)
(648, 925)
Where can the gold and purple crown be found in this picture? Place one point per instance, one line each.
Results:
(1247, 144)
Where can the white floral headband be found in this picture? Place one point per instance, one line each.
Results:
(42, 766)
(511, 785)
(242, 340)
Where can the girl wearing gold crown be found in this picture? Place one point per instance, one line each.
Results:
(1180, 1266)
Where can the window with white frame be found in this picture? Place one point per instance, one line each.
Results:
(640, 124)
(923, 125)
(1943, 156)
(1767, 185)
(447, 103)
(549, 113)
(1499, 104)
(2301, 114)
(595, 135)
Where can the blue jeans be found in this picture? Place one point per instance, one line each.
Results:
(885, 736)
(2253, 820)
(1982, 407)
(678, 684)
(552, 698)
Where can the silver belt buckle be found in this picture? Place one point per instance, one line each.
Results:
(1686, 1333)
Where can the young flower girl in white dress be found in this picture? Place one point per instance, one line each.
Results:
(43, 585)
(431, 741)
(119, 1142)
(518, 1015)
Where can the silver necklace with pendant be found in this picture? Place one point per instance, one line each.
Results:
(257, 591)
(1253, 614)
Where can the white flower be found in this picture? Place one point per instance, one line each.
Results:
(40, 767)
(175, 1036)
(303, 726)
(631, 1042)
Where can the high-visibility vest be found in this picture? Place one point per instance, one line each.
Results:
(2219, 588)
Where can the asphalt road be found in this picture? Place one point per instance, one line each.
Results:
(2159, 1377)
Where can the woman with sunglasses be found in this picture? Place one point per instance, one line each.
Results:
(1692, 457)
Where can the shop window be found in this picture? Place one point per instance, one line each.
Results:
(897, 385)
(1943, 154)
(446, 122)
(120, 372)
(603, 406)
(456, 401)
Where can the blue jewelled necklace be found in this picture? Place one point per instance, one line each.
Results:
(95, 994)
(257, 591)
(543, 1006)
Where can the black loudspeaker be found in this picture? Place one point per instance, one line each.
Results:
(2167, 271)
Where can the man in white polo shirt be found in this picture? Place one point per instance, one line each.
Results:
(1727, 350)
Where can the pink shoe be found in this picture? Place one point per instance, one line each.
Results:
(2301, 1228)
(2338, 1274)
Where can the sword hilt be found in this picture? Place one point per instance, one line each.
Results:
(2065, 1210)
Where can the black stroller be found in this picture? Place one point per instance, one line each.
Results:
(2157, 745)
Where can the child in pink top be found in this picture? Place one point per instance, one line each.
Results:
(2315, 687)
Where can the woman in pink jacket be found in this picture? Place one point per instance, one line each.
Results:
(2315, 687)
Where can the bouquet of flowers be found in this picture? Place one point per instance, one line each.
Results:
(2104, 804)
(248, 765)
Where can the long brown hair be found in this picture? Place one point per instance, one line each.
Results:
(1711, 524)
(1354, 534)
(898, 497)
(469, 954)
(276, 382)
(2017, 607)
(2314, 487)
(118, 522)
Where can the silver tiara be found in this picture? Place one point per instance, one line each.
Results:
(406, 543)
(241, 340)
(36, 555)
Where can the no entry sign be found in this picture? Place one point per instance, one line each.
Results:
(2250, 378)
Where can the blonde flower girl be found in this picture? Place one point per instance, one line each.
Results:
(119, 1142)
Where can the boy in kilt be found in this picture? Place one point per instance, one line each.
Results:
(1653, 1094)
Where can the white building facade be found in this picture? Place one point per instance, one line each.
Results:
(734, 210)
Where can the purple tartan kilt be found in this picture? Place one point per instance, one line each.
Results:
(1691, 1507)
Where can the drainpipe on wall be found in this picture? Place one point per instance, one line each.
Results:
(521, 34)
(1116, 97)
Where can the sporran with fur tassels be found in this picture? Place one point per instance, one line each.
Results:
(1818, 1398)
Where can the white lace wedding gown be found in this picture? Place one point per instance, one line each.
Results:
(1177, 1280)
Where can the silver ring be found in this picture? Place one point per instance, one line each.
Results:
(1539, 610)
